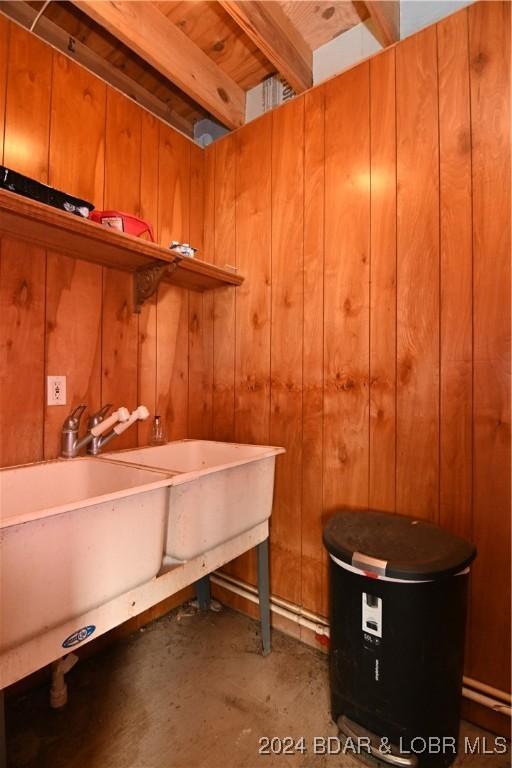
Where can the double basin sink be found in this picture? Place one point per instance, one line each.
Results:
(76, 533)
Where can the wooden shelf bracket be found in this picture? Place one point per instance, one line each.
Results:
(147, 279)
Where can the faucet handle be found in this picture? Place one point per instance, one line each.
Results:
(73, 420)
(97, 418)
(99, 426)
(104, 410)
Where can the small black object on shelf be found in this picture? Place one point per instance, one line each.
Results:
(35, 190)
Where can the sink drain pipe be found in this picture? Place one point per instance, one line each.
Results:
(59, 687)
(473, 690)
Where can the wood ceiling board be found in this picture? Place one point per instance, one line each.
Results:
(385, 15)
(274, 34)
(145, 30)
(214, 31)
(321, 21)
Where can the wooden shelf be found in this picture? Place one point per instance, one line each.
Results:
(57, 230)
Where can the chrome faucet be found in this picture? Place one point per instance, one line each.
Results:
(70, 444)
(96, 438)
(98, 425)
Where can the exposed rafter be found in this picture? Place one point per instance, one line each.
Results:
(385, 15)
(147, 32)
(276, 37)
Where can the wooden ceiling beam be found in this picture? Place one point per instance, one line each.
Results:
(385, 15)
(150, 34)
(277, 38)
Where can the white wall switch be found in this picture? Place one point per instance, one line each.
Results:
(56, 390)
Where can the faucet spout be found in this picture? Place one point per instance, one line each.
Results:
(105, 439)
(70, 445)
(79, 444)
(98, 426)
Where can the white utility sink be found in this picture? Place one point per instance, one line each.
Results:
(220, 490)
(73, 535)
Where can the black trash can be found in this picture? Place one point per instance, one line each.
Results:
(398, 615)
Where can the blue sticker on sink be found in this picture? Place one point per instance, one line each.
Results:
(79, 636)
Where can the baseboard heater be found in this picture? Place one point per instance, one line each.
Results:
(473, 690)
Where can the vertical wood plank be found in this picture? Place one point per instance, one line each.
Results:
(286, 345)
(346, 311)
(73, 288)
(4, 50)
(253, 300)
(27, 116)
(73, 340)
(146, 383)
(172, 307)
(119, 357)
(149, 155)
(147, 317)
(253, 303)
(77, 140)
(383, 282)
(200, 314)
(22, 391)
(209, 203)
(456, 275)
(489, 41)
(314, 585)
(123, 145)
(119, 361)
(23, 267)
(173, 187)
(224, 170)
(417, 277)
(172, 360)
(197, 202)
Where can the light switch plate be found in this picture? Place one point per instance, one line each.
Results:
(56, 386)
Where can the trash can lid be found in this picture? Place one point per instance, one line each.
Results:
(396, 546)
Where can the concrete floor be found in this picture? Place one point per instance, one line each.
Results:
(187, 692)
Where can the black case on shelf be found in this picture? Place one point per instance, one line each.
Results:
(35, 190)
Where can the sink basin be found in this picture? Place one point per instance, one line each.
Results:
(219, 491)
(202, 456)
(51, 487)
(73, 535)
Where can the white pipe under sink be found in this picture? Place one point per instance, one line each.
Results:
(280, 607)
(59, 687)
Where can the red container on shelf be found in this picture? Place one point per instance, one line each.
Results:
(124, 222)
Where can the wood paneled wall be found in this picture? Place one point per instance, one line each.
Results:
(66, 127)
(371, 217)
